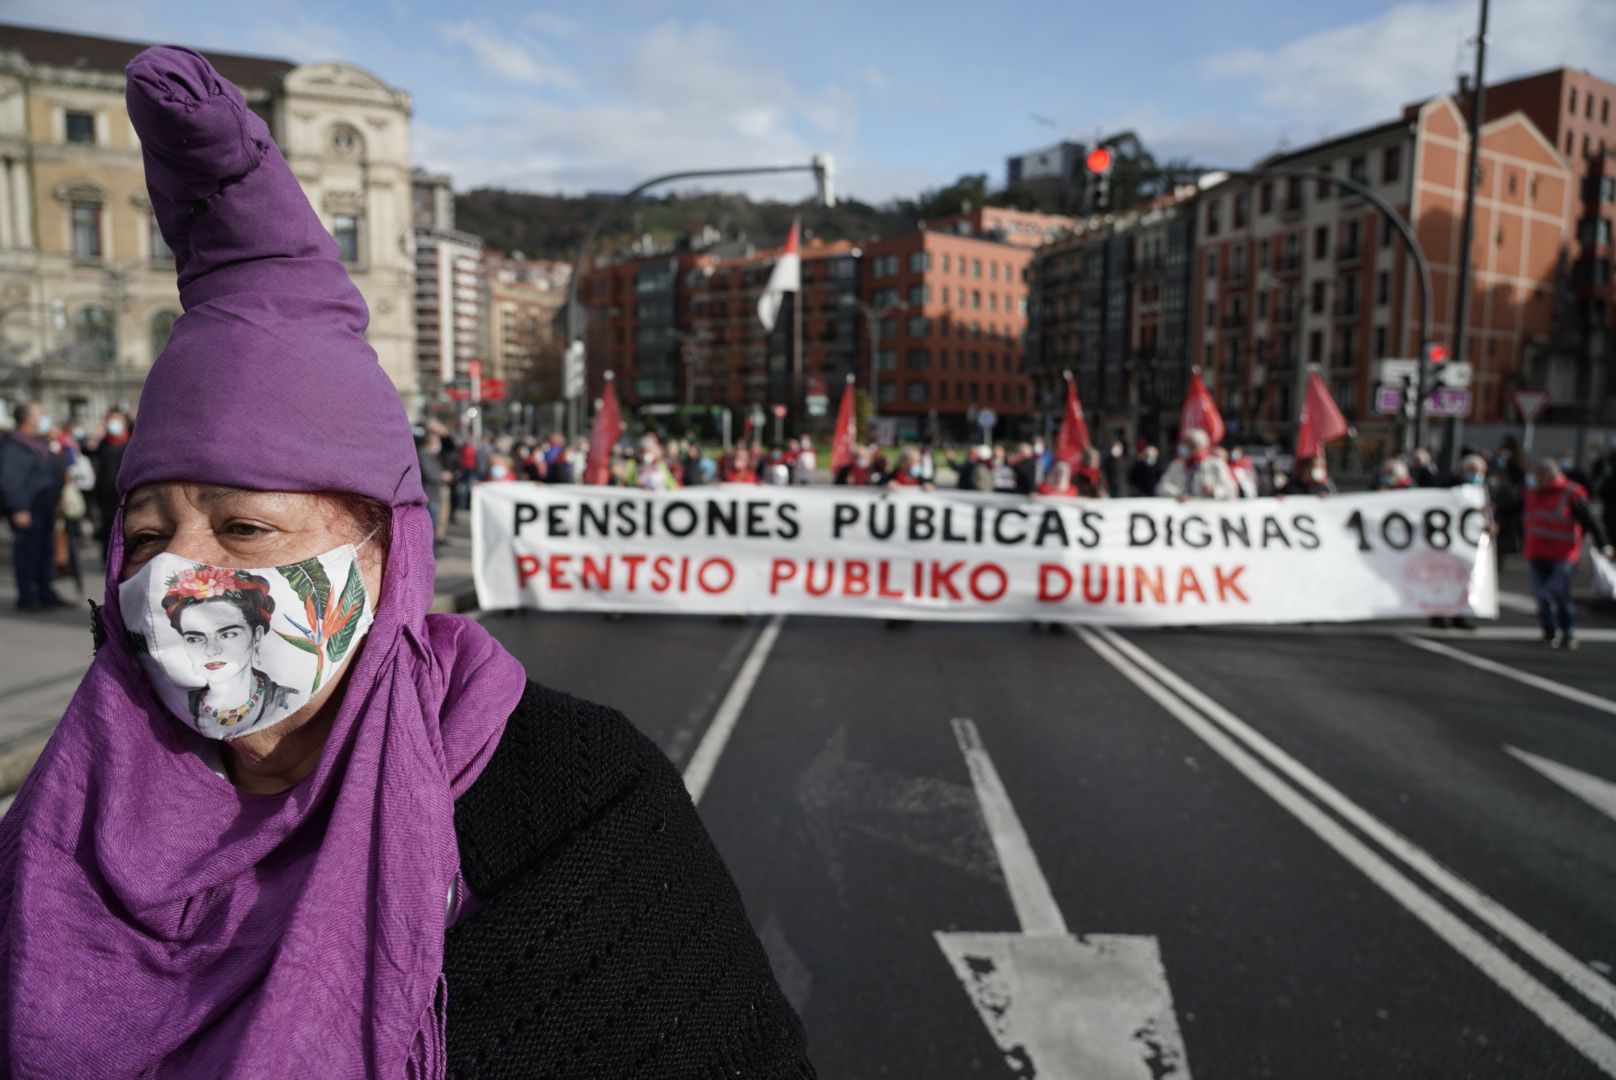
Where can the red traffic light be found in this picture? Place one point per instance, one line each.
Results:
(1436, 354)
(1099, 160)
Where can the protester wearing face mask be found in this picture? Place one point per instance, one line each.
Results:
(32, 476)
(292, 825)
(1197, 473)
(1146, 472)
(1394, 475)
(1557, 517)
(1312, 478)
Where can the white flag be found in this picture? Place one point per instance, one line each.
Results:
(785, 277)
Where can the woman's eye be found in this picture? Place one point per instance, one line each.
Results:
(140, 540)
(245, 529)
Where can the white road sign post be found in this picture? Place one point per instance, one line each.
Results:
(1529, 403)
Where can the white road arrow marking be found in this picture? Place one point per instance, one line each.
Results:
(1060, 1007)
(1596, 792)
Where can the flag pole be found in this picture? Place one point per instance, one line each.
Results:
(798, 408)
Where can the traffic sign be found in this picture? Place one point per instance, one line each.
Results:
(987, 418)
(1441, 401)
(818, 404)
(1399, 372)
(1529, 403)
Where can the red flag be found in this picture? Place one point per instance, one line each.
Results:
(841, 446)
(1321, 419)
(603, 436)
(1073, 439)
(1200, 411)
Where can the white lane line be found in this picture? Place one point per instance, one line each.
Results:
(1570, 693)
(1029, 889)
(1503, 633)
(1526, 937)
(700, 768)
(1220, 730)
(1597, 792)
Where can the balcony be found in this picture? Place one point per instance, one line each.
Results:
(1236, 277)
(1349, 255)
(1289, 264)
(1291, 211)
(1234, 320)
(1344, 309)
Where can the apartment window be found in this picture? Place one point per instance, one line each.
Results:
(1354, 231)
(1573, 109)
(1385, 230)
(1510, 183)
(1324, 188)
(86, 218)
(1242, 209)
(162, 325)
(1588, 107)
(1265, 197)
(993, 301)
(976, 297)
(1604, 110)
(976, 365)
(889, 393)
(1319, 289)
(1293, 193)
(80, 127)
(1607, 189)
(1383, 287)
(1211, 264)
(919, 325)
(887, 360)
(1380, 343)
(919, 294)
(1391, 164)
(1321, 242)
(1262, 304)
(1604, 230)
(1211, 312)
(94, 337)
(917, 359)
(1293, 249)
(345, 229)
(1262, 254)
(1358, 169)
(976, 267)
(919, 262)
(993, 271)
(1585, 147)
(159, 247)
(1571, 143)
(886, 328)
(1214, 209)
(945, 262)
(1315, 348)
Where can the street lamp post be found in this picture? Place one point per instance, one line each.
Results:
(822, 167)
(872, 328)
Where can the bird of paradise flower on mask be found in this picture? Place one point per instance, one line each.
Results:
(332, 617)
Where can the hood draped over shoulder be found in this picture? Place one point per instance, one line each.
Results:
(154, 920)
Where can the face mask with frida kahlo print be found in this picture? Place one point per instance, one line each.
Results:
(230, 652)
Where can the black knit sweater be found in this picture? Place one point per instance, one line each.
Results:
(611, 943)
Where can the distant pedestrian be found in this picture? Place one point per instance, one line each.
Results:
(1423, 470)
(106, 454)
(1116, 468)
(32, 476)
(1394, 475)
(1145, 473)
(1059, 482)
(1557, 516)
(1312, 478)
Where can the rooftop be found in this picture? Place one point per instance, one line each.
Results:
(52, 48)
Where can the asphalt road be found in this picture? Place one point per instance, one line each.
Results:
(1308, 852)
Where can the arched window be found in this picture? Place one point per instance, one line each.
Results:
(95, 338)
(162, 325)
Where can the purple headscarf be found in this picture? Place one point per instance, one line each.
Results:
(155, 920)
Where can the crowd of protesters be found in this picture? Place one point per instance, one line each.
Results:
(57, 485)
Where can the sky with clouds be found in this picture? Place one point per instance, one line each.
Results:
(573, 97)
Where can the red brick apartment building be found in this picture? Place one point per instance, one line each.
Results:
(952, 337)
(1576, 112)
(1291, 272)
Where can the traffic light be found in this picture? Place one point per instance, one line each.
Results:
(1099, 165)
(1436, 355)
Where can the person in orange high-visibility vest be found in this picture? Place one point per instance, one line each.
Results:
(1556, 518)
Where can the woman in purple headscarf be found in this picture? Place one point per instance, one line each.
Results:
(292, 825)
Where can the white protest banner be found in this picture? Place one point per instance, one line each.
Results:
(1604, 577)
(749, 549)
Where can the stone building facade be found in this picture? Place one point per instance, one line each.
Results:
(87, 290)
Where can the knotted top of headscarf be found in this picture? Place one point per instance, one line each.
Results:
(155, 920)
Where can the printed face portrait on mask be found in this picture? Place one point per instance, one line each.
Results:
(221, 617)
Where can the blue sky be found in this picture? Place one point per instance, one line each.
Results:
(569, 97)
